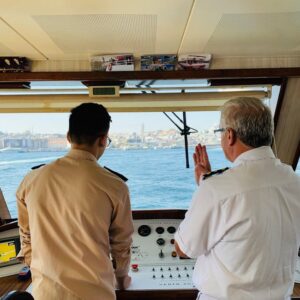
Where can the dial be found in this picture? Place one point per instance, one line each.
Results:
(160, 241)
(160, 230)
(144, 230)
(171, 229)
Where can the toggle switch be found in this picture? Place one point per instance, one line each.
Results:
(161, 254)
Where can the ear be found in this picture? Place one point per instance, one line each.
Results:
(231, 136)
(101, 141)
(68, 137)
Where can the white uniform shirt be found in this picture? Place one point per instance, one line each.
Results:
(243, 226)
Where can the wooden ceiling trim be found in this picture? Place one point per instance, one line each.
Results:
(147, 75)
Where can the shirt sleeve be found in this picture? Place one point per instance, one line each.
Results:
(24, 230)
(121, 231)
(202, 226)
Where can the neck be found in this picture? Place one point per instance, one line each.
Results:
(238, 149)
(92, 149)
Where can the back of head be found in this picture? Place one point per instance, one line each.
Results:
(87, 122)
(250, 119)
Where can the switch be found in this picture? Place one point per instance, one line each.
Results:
(161, 254)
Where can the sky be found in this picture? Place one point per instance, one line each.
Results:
(121, 122)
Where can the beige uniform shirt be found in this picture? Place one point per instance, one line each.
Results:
(72, 215)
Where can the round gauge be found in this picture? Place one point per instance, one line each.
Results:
(171, 229)
(160, 241)
(144, 230)
(160, 230)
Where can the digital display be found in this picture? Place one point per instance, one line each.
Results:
(104, 91)
(9, 249)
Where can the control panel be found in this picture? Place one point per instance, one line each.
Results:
(155, 264)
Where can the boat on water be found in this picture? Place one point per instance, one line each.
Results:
(60, 40)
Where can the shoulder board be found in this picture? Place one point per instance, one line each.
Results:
(38, 166)
(117, 174)
(220, 171)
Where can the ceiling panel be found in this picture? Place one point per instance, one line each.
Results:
(13, 44)
(61, 29)
(255, 35)
(244, 28)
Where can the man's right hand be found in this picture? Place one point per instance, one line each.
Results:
(201, 161)
(123, 282)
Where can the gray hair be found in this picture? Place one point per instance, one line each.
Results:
(250, 119)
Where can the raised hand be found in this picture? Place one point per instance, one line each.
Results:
(201, 161)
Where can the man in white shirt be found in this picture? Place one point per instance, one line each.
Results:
(243, 224)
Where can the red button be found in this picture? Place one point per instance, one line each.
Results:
(135, 267)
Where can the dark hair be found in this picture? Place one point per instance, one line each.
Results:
(87, 122)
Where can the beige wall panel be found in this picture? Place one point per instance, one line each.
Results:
(287, 133)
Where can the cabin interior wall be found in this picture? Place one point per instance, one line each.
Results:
(287, 134)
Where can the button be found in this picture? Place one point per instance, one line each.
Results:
(170, 276)
(169, 269)
(179, 275)
(162, 276)
(187, 275)
(172, 241)
(153, 269)
(177, 269)
(174, 254)
(185, 268)
(134, 267)
(153, 276)
(161, 269)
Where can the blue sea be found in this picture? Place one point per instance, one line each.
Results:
(157, 178)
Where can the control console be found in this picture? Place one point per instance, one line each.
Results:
(155, 264)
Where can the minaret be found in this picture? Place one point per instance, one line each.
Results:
(143, 133)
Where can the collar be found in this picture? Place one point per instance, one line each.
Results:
(259, 153)
(81, 154)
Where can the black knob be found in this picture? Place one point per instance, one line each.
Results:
(144, 230)
(160, 241)
(153, 269)
(153, 276)
(171, 229)
(160, 230)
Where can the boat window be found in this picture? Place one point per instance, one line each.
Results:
(146, 147)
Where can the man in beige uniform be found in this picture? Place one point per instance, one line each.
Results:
(74, 214)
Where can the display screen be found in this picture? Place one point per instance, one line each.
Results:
(8, 251)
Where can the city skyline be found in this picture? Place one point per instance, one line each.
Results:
(57, 123)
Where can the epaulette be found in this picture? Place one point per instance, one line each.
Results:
(38, 166)
(220, 171)
(116, 173)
